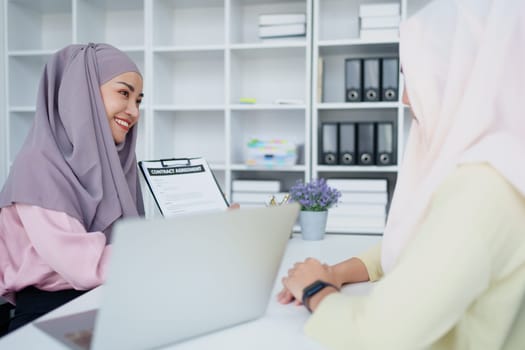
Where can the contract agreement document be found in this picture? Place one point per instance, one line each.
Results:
(183, 186)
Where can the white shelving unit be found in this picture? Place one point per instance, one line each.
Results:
(199, 58)
(206, 57)
(336, 38)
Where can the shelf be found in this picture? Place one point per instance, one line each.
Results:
(244, 17)
(268, 45)
(358, 48)
(189, 78)
(262, 107)
(270, 52)
(189, 48)
(244, 167)
(188, 22)
(43, 6)
(194, 133)
(357, 168)
(120, 6)
(48, 24)
(182, 108)
(357, 42)
(358, 115)
(267, 125)
(29, 53)
(28, 109)
(334, 70)
(20, 123)
(190, 55)
(24, 75)
(269, 75)
(132, 49)
(266, 2)
(357, 105)
(199, 58)
(120, 23)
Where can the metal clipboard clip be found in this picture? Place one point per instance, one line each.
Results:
(174, 162)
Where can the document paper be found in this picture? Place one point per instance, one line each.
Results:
(183, 186)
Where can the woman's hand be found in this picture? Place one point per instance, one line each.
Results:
(234, 206)
(286, 297)
(352, 270)
(302, 275)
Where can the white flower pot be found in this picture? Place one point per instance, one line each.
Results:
(313, 224)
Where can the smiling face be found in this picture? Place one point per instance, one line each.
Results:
(122, 96)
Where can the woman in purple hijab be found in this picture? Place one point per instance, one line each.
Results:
(75, 175)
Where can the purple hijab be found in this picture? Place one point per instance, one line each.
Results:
(69, 161)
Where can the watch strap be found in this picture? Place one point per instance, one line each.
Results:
(312, 289)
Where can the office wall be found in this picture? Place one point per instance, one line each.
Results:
(3, 116)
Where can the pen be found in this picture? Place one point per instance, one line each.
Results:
(285, 199)
(273, 201)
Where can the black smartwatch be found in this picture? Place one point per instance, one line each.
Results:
(314, 288)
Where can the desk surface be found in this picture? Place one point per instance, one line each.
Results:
(280, 328)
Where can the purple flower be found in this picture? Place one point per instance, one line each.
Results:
(315, 195)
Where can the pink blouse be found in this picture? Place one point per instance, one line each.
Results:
(49, 250)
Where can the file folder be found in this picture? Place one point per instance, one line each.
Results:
(329, 143)
(385, 144)
(389, 79)
(353, 80)
(366, 143)
(347, 146)
(371, 79)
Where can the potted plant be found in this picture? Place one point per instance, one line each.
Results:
(315, 198)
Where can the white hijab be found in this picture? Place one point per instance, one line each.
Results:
(464, 66)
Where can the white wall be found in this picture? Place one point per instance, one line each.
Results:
(3, 116)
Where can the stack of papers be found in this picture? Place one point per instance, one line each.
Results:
(283, 25)
(379, 21)
(255, 193)
(362, 207)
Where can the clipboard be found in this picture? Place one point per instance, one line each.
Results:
(183, 186)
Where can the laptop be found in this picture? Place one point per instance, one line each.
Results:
(174, 279)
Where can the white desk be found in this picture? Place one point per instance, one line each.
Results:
(280, 328)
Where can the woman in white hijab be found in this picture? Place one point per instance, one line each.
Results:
(452, 260)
